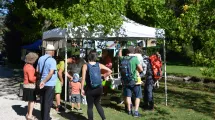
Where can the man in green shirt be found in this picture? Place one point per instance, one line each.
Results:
(131, 86)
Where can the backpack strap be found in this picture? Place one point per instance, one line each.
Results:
(90, 66)
(128, 57)
(131, 74)
(44, 66)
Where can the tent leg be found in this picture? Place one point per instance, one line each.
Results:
(65, 97)
(165, 77)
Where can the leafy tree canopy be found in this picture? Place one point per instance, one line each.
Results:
(80, 12)
(189, 24)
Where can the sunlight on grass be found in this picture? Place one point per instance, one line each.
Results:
(185, 102)
(184, 70)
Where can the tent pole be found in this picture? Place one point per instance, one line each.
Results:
(165, 78)
(65, 45)
(146, 47)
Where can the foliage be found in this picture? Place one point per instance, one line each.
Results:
(22, 28)
(84, 12)
(188, 24)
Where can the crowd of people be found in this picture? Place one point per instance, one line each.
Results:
(86, 79)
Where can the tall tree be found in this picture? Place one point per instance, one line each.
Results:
(22, 28)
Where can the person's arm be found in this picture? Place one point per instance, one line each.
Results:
(60, 71)
(69, 76)
(84, 70)
(53, 67)
(31, 75)
(37, 69)
(139, 68)
(109, 63)
(120, 52)
(48, 77)
(60, 75)
(108, 71)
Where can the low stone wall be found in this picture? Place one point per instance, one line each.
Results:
(190, 79)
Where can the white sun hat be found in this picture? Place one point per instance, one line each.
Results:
(50, 47)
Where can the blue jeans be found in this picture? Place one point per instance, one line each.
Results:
(148, 90)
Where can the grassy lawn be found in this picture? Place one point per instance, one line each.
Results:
(184, 70)
(185, 102)
(193, 101)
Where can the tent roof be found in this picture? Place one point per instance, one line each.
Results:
(129, 29)
(34, 46)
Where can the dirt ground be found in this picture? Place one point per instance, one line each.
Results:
(12, 107)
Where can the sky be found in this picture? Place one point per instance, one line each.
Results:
(4, 11)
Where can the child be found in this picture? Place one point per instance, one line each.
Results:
(75, 92)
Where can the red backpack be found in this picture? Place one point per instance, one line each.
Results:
(156, 67)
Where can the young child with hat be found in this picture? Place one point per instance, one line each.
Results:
(75, 88)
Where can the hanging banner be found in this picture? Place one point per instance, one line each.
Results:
(105, 45)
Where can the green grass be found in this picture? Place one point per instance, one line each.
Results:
(185, 102)
(184, 71)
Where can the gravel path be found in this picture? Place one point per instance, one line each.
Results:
(12, 108)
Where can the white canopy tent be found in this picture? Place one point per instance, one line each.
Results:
(129, 30)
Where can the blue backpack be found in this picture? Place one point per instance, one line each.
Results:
(125, 71)
(94, 75)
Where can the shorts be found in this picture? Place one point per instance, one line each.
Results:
(136, 90)
(76, 98)
(58, 87)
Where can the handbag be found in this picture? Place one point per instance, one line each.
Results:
(38, 78)
(20, 89)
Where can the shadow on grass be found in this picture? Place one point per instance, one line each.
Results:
(71, 115)
(196, 100)
(112, 102)
(23, 111)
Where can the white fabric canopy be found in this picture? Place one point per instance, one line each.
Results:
(129, 29)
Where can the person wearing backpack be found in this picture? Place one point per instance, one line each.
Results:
(128, 70)
(153, 75)
(148, 87)
(91, 72)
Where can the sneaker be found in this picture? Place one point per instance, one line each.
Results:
(131, 106)
(136, 114)
(129, 113)
(57, 108)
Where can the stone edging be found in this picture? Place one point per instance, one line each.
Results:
(190, 79)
